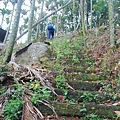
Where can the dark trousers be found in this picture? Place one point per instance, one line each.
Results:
(50, 33)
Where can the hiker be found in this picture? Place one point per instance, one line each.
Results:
(51, 29)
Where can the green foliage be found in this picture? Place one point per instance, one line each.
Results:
(5, 11)
(12, 109)
(18, 91)
(60, 79)
(89, 97)
(61, 84)
(100, 11)
(41, 94)
(90, 63)
(109, 88)
(62, 49)
(7, 20)
(2, 89)
(71, 100)
(3, 69)
(75, 59)
(34, 85)
(91, 116)
(83, 110)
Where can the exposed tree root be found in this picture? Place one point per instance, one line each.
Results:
(21, 74)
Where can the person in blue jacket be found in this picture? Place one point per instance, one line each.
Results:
(51, 29)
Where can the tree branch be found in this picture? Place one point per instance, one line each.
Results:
(44, 19)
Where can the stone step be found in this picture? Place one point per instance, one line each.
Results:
(79, 69)
(84, 77)
(87, 96)
(80, 110)
(86, 85)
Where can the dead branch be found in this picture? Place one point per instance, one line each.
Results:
(19, 52)
(46, 103)
(30, 111)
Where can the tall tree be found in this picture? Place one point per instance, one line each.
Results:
(91, 14)
(111, 23)
(74, 22)
(40, 16)
(100, 12)
(8, 29)
(82, 16)
(30, 22)
(4, 11)
(42, 19)
(10, 46)
(85, 14)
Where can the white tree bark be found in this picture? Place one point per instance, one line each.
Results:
(85, 14)
(6, 2)
(30, 22)
(82, 17)
(6, 36)
(40, 16)
(91, 14)
(111, 23)
(74, 21)
(13, 33)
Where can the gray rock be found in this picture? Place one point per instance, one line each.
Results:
(2, 46)
(33, 53)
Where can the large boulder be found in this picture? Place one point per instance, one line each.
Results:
(33, 54)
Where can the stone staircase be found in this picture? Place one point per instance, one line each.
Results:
(90, 90)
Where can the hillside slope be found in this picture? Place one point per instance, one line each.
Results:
(79, 79)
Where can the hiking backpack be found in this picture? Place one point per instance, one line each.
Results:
(50, 26)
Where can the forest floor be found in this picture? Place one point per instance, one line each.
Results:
(79, 81)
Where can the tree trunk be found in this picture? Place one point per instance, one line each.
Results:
(57, 25)
(74, 15)
(30, 22)
(91, 15)
(85, 14)
(6, 36)
(40, 16)
(13, 33)
(44, 19)
(111, 23)
(2, 20)
(82, 17)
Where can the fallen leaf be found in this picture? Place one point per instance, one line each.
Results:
(116, 66)
(92, 74)
(100, 90)
(60, 98)
(71, 87)
(116, 104)
(117, 112)
(51, 117)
